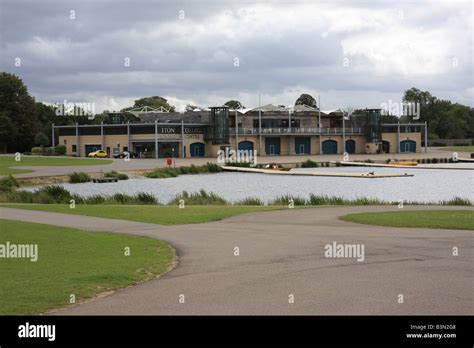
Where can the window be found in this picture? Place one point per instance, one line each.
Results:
(74, 148)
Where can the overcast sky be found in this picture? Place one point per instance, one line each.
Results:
(352, 53)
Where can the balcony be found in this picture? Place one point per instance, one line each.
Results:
(297, 131)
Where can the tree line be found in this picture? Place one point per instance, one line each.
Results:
(25, 123)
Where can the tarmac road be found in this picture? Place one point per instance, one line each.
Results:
(282, 253)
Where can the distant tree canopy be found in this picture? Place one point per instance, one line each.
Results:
(154, 102)
(190, 107)
(18, 115)
(41, 139)
(25, 123)
(306, 99)
(234, 104)
(445, 119)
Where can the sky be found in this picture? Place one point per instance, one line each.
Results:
(353, 54)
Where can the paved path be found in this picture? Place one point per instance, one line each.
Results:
(146, 164)
(282, 253)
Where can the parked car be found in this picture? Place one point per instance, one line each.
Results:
(98, 153)
(125, 154)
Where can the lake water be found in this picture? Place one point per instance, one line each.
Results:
(428, 185)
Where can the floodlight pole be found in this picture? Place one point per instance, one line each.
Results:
(259, 126)
(319, 124)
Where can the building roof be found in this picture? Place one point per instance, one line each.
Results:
(171, 117)
(301, 107)
(269, 107)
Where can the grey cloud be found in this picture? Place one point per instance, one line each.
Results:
(85, 56)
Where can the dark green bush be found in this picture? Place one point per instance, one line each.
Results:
(116, 175)
(285, 200)
(250, 201)
(37, 150)
(199, 198)
(78, 177)
(61, 149)
(146, 198)
(309, 164)
(8, 183)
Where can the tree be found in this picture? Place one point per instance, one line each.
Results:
(19, 113)
(41, 139)
(445, 119)
(234, 104)
(154, 102)
(8, 132)
(306, 99)
(190, 107)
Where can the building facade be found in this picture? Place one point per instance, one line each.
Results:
(270, 130)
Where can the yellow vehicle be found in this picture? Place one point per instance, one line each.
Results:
(402, 163)
(98, 153)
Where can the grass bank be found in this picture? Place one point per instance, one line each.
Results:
(445, 219)
(25, 160)
(157, 214)
(72, 262)
(162, 173)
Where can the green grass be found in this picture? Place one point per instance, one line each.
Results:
(444, 219)
(158, 214)
(458, 148)
(71, 261)
(9, 161)
(163, 173)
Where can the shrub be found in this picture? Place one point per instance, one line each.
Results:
(146, 198)
(213, 167)
(51, 194)
(309, 164)
(78, 177)
(238, 164)
(61, 149)
(7, 183)
(285, 200)
(37, 150)
(250, 201)
(116, 175)
(41, 139)
(95, 199)
(199, 198)
(457, 201)
(160, 173)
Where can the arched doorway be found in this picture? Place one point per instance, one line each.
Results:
(302, 145)
(350, 146)
(408, 146)
(272, 146)
(329, 147)
(246, 145)
(197, 149)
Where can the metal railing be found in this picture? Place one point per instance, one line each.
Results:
(286, 130)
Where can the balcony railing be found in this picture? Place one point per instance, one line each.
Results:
(289, 131)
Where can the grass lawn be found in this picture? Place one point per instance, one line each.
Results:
(9, 161)
(71, 261)
(458, 148)
(158, 214)
(445, 219)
